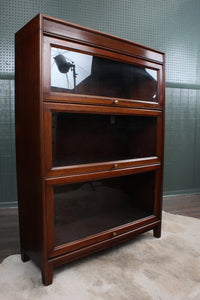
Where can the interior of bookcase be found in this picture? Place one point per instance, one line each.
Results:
(79, 138)
(87, 208)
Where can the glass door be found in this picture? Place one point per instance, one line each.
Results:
(91, 207)
(80, 73)
(82, 138)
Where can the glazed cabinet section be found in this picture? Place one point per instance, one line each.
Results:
(77, 73)
(82, 138)
(101, 208)
(80, 73)
(87, 208)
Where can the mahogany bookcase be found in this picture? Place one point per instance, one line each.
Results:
(89, 141)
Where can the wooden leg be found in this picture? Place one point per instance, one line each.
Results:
(47, 274)
(24, 257)
(157, 231)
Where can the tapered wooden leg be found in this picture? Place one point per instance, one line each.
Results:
(24, 257)
(157, 231)
(47, 274)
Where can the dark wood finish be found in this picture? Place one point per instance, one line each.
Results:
(39, 177)
(72, 32)
(157, 231)
(105, 236)
(61, 180)
(73, 98)
(29, 151)
(56, 261)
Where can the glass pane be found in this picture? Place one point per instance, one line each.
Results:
(79, 73)
(87, 138)
(87, 208)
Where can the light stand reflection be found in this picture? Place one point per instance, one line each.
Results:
(64, 66)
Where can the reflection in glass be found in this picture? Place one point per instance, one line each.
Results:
(87, 208)
(90, 138)
(74, 72)
(69, 69)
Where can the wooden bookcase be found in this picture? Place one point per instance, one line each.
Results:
(89, 141)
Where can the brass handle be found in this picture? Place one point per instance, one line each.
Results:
(114, 234)
(115, 166)
(116, 101)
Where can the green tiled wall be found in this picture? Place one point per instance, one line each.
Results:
(8, 189)
(182, 141)
(171, 26)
